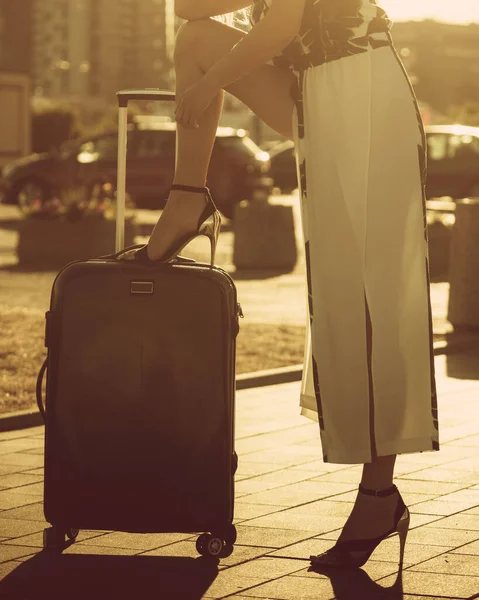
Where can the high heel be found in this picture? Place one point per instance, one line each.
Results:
(209, 224)
(355, 553)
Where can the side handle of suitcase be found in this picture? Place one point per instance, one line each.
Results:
(124, 96)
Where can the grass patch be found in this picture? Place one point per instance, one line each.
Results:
(22, 352)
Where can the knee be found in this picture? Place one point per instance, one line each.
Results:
(189, 39)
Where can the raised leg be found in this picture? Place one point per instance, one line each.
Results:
(266, 91)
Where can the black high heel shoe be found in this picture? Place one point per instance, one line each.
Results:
(209, 224)
(355, 553)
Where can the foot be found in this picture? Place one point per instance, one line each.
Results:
(371, 519)
(180, 217)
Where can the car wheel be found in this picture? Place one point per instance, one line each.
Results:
(30, 195)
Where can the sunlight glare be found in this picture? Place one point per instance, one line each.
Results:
(459, 11)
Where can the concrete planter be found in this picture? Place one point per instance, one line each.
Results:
(463, 309)
(264, 236)
(54, 242)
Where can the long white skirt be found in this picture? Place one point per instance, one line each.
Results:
(369, 364)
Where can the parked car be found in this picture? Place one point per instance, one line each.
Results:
(453, 162)
(239, 168)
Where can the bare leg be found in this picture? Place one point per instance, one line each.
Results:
(372, 517)
(265, 91)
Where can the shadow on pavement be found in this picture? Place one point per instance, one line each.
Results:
(356, 583)
(119, 577)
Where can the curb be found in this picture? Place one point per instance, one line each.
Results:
(458, 342)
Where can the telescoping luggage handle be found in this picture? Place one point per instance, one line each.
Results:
(124, 96)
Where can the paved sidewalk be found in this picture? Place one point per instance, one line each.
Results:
(289, 505)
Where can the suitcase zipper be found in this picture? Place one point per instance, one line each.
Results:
(239, 310)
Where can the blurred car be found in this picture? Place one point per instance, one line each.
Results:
(453, 162)
(238, 169)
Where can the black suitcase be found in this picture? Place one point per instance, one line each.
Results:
(139, 416)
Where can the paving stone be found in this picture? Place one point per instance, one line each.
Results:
(14, 528)
(21, 459)
(280, 497)
(19, 479)
(460, 521)
(8, 553)
(437, 586)
(470, 441)
(438, 488)
(439, 507)
(226, 584)
(251, 469)
(35, 451)
(272, 538)
(455, 564)
(465, 495)
(285, 476)
(35, 539)
(327, 508)
(302, 550)
(286, 520)
(34, 489)
(252, 486)
(22, 433)
(443, 474)
(298, 493)
(435, 536)
(187, 548)
(418, 520)
(294, 588)
(319, 467)
(415, 553)
(99, 550)
(137, 541)
(13, 499)
(247, 510)
(9, 469)
(267, 568)
(342, 476)
(36, 471)
(472, 548)
(374, 569)
(31, 512)
(18, 445)
(7, 568)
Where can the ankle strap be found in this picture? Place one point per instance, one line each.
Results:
(378, 493)
(190, 188)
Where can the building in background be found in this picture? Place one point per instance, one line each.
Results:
(15, 69)
(85, 50)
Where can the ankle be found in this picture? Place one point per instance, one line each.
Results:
(379, 491)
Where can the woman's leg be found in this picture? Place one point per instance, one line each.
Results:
(266, 91)
(371, 517)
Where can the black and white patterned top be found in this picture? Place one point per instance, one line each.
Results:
(331, 29)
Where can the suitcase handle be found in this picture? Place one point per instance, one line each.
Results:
(117, 255)
(40, 377)
(124, 96)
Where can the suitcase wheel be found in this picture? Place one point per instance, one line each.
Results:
(53, 539)
(72, 534)
(211, 545)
